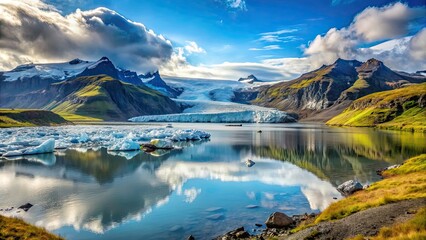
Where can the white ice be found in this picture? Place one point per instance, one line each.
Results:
(36, 140)
(211, 101)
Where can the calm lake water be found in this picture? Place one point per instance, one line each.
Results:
(205, 189)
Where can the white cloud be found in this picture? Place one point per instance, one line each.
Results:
(389, 22)
(277, 36)
(266, 48)
(236, 4)
(34, 31)
(193, 47)
(386, 22)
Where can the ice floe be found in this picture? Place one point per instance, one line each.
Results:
(37, 140)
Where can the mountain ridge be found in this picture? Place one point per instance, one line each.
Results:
(328, 90)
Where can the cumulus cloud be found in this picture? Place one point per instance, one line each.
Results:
(35, 31)
(390, 21)
(193, 47)
(373, 24)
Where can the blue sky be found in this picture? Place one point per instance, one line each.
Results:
(232, 38)
(227, 33)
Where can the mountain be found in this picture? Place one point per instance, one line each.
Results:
(403, 108)
(327, 91)
(154, 81)
(249, 79)
(32, 76)
(98, 97)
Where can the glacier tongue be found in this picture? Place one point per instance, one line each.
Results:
(247, 116)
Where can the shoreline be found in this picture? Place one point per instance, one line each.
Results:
(385, 207)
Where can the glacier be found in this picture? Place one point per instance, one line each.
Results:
(247, 116)
(211, 101)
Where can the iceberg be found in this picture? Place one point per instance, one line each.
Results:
(248, 116)
(124, 145)
(27, 141)
(46, 147)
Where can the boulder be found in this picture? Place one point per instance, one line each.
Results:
(162, 143)
(349, 187)
(279, 220)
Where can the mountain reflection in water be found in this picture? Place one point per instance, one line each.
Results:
(203, 189)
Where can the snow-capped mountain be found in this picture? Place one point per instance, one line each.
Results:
(74, 68)
(249, 79)
(154, 81)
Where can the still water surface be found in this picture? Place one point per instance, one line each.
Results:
(205, 189)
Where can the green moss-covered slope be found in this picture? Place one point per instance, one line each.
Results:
(29, 118)
(403, 109)
(103, 98)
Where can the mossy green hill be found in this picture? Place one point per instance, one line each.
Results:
(403, 109)
(93, 98)
(29, 118)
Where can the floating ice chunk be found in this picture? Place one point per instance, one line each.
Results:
(124, 145)
(13, 153)
(46, 147)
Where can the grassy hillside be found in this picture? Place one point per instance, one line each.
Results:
(13, 228)
(29, 118)
(402, 109)
(406, 182)
(101, 97)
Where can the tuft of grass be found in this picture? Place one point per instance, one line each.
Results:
(14, 228)
(405, 182)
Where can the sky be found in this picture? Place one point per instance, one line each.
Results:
(214, 39)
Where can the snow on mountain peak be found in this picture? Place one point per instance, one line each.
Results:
(249, 79)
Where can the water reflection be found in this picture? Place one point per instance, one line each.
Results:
(202, 189)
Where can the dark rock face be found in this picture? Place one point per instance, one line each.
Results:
(26, 207)
(249, 79)
(279, 220)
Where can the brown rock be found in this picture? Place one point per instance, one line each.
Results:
(278, 220)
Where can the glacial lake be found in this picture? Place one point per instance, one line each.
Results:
(204, 189)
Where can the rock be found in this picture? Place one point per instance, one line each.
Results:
(242, 234)
(349, 187)
(162, 143)
(25, 207)
(250, 163)
(380, 171)
(190, 237)
(278, 220)
(258, 225)
(238, 233)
